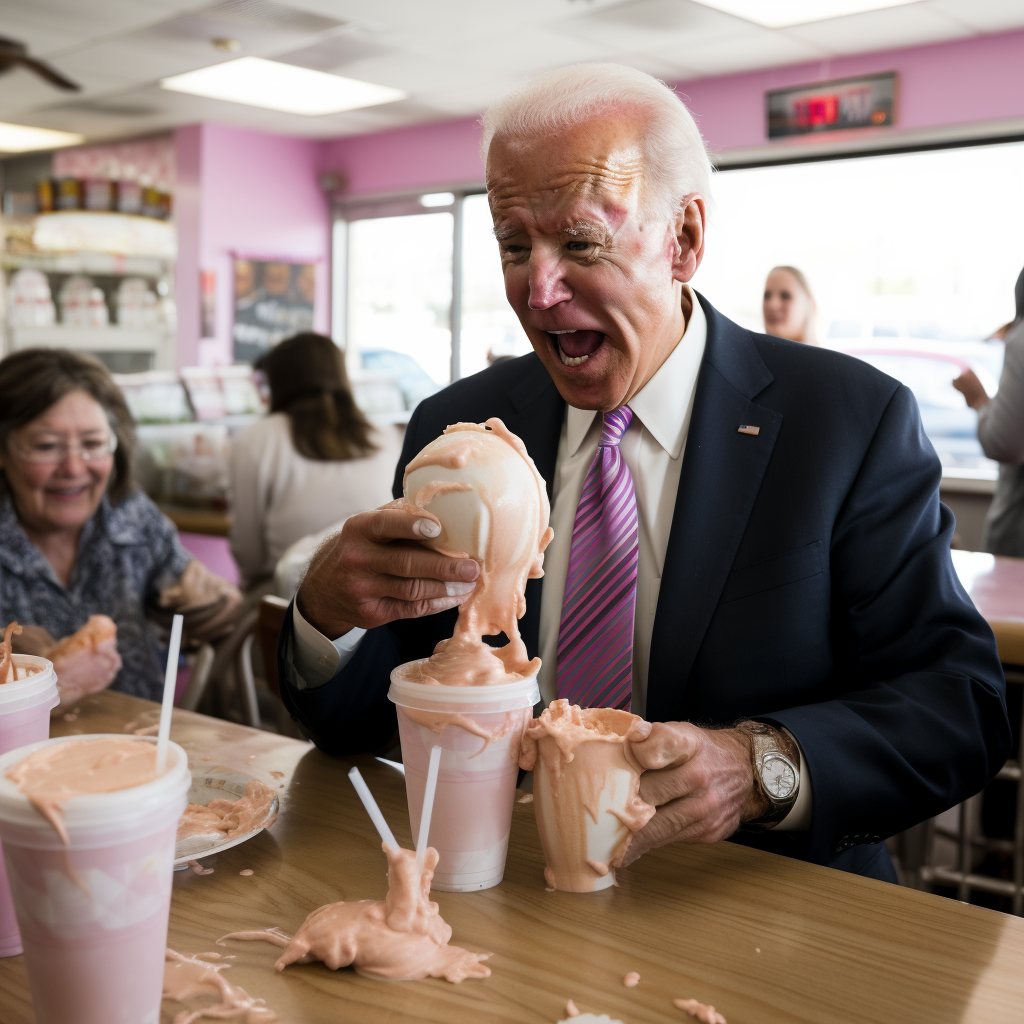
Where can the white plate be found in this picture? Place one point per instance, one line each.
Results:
(216, 783)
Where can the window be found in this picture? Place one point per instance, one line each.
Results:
(912, 258)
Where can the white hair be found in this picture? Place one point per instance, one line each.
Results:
(675, 158)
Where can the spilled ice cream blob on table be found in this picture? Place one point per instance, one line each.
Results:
(483, 487)
(401, 938)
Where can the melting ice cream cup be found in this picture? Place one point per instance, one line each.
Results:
(479, 729)
(25, 706)
(585, 793)
(93, 913)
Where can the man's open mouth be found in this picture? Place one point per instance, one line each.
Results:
(575, 347)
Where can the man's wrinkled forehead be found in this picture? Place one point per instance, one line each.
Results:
(598, 165)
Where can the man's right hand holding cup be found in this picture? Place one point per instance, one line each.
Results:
(376, 570)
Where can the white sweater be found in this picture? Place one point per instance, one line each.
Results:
(278, 496)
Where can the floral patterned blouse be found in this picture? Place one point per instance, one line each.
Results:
(126, 556)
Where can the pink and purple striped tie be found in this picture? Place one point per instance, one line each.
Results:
(595, 641)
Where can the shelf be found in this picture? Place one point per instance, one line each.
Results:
(88, 263)
(90, 339)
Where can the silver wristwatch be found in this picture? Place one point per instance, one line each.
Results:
(775, 775)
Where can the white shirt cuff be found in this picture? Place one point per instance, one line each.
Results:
(316, 659)
(799, 817)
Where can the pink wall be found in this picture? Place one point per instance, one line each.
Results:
(248, 192)
(969, 80)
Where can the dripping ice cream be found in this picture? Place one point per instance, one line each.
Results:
(400, 938)
(480, 483)
(474, 700)
(586, 787)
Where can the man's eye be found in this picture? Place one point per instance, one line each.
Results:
(92, 445)
(44, 446)
(578, 246)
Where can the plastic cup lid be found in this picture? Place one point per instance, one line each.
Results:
(95, 810)
(34, 689)
(523, 693)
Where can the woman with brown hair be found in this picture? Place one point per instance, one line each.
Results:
(312, 462)
(77, 539)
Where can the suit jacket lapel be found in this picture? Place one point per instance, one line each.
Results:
(537, 419)
(720, 477)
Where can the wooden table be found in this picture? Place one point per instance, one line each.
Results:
(765, 939)
(208, 521)
(996, 586)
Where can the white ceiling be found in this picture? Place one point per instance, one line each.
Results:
(452, 56)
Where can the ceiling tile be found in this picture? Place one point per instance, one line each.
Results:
(757, 48)
(409, 71)
(650, 24)
(983, 15)
(660, 67)
(82, 20)
(520, 52)
(913, 25)
(337, 50)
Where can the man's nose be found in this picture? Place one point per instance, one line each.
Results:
(547, 282)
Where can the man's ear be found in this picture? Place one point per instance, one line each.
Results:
(688, 228)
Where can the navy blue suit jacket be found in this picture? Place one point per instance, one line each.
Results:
(807, 582)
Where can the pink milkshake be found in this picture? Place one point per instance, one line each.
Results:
(26, 699)
(89, 830)
(480, 484)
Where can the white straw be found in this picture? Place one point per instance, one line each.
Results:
(372, 809)
(428, 806)
(170, 678)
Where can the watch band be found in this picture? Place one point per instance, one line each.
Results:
(765, 749)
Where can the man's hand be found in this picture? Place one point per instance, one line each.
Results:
(701, 781)
(375, 571)
(972, 389)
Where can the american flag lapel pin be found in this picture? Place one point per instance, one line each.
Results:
(745, 428)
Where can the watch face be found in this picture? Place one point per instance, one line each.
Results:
(778, 777)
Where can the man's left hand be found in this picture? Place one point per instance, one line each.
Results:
(701, 781)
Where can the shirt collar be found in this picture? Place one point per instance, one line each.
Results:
(663, 403)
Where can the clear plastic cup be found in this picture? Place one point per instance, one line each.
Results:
(479, 729)
(25, 706)
(93, 914)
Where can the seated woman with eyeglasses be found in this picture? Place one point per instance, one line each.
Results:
(78, 540)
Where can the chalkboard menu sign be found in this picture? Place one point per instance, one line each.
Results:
(866, 102)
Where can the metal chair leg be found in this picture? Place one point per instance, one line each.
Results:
(246, 682)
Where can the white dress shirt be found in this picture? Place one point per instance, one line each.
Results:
(652, 448)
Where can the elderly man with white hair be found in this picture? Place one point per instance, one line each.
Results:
(783, 612)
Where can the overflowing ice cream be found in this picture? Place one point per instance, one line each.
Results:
(52, 775)
(228, 818)
(586, 792)
(480, 483)
(9, 672)
(402, 938)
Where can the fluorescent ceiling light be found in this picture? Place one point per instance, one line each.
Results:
(276, 86)
(437, 199)
(781, 13)
(20, 138)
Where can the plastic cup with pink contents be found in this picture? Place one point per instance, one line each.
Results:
(25, 705)
(93, 910)
(480, 730)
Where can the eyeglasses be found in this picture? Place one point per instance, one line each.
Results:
(45, 451)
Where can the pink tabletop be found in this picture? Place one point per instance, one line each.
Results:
(995, 584)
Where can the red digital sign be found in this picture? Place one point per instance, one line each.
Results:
(867, 102)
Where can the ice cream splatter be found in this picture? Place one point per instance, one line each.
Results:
(702, 1011)
(188, 977)
(526, 798)
(570, 1009)
(631, 980)
(246, 872)
(199, 869)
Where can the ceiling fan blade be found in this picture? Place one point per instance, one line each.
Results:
(49, 74)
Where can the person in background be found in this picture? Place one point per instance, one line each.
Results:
(789, 308)
(312, 462)
(77, 539)
(1001, 433)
